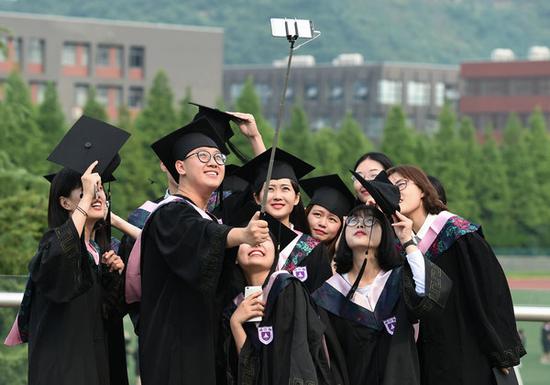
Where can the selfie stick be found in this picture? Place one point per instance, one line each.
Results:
(292, 40)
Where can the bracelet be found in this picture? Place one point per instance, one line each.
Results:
(81, 211)
(410, 242)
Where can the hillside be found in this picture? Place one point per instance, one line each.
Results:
(441, 31)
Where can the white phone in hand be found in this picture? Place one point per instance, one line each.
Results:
(248, 291)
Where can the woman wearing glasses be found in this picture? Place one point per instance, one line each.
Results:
(373, 298)
(476, 331)
(368, 166)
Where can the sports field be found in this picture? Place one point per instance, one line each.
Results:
(532, 289)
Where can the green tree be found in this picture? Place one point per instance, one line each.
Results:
(398, 141)
(124, 118)
(327, 152)
(353, 144)
(22, 139)
(187, 111)
(140, 177)
(297, 138)
(493, 193)
(249, 102)
(524, 208)
(50, 117)
(538, 142)
(93, 108)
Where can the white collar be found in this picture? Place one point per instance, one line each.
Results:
(426, 225)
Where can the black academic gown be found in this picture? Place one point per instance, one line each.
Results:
(477, 330)
(63, 312)
(182, 258)
(379, 346)
(296, 354)
(317, 265)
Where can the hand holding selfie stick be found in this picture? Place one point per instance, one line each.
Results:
(292, 29)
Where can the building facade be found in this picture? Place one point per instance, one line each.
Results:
(492, 90)
(367, 90)
(118, 58)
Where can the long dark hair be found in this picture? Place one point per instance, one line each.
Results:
(64, 182)
(386, 253)
(431, 201)
(298, 215)
(379, 157)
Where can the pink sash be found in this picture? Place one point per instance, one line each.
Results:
(132, 288)
(434, 230)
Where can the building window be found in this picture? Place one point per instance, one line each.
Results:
(312, 92)
(235, 90)
(13, 48)
(38, 89)
(360, 91)
(439, 98)
(135, 97)
(389, 92)
(264, 92)
(36, 51)
(103, 57)
(418, 94)
(81, 94)
(75, 54)
(137, 57)
(289, 95)
(69, 54)
(102, 95)
(336, 93)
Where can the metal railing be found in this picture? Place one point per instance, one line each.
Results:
(523, 313)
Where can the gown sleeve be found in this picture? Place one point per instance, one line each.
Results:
(437, 288)
(488, 294)
(193, 247)
(60, 268)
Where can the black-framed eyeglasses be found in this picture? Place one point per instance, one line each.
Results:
(205, 156)
(365, 221)
(402, 184)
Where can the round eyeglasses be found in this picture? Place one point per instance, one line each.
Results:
(365, 221)
(402, 184)
(205, 156)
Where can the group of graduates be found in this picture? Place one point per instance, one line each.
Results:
(229, 279)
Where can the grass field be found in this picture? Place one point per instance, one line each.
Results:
(532, 371)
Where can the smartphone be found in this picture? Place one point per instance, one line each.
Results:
(248, 291)
(302, 28)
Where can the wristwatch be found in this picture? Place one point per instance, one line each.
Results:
(410, 242)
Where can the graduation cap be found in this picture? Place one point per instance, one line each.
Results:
(50, 177)
(283, 235)
(179, 143)
(232, 182)
(330, 192)
(220, 121)
(89, 140)
(286, 165)
(385, 194)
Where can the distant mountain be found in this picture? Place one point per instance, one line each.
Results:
(437, 31)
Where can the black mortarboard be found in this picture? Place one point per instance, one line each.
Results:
(49, 178)
(220, 122)
(286, 165)
(385, 194)
(330, 192)
(283, 235)
(218, 119)
(89, 140)
(232, 182)
(179, 143)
